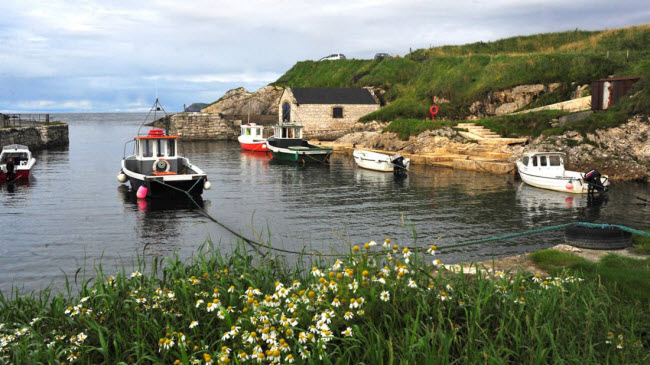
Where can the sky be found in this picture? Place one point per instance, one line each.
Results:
(117, 56)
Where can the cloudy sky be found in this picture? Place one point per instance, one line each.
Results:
(111, 55)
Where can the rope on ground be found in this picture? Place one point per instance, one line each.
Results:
(458, 244)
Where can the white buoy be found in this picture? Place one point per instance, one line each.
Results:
(121, 177)
(142, 192)
(207, 185)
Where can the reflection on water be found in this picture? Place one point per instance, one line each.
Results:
(73, 213)
(540, 204)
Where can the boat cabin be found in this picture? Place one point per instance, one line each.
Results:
(150, 150)
(287, 131)
(252, 130)
(549, 162)
(19, 155)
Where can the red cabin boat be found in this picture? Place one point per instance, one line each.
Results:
(252, 139)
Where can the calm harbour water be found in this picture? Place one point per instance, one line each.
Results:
(74, 214)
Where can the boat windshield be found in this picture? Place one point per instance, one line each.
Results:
(171, 148)
(15, 156)
(147, 148)
(161, 147)
(555, 160)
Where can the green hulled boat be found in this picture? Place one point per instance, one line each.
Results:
(287, 145)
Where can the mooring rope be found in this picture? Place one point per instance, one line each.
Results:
(458, 244)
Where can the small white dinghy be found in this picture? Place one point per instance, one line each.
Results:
(546, 170)
(381, 162)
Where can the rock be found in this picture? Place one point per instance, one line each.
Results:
(574, 117)
(622, 153)
(579, 92)
(566, 248)
(241, 102)
(510, 100)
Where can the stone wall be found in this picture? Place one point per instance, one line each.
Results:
(36, 138)
(318, 121)
(203, 126)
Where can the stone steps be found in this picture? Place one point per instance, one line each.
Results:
(485, 136)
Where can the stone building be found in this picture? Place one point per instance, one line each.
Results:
(325, 113)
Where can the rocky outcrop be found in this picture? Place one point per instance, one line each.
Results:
(429, 141)
(621, 152)
(242, 102)
(508, 101)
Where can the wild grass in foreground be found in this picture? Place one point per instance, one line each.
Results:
(393, 307)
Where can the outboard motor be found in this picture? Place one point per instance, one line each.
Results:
(399, 165)
(10, 170)
(592, 178)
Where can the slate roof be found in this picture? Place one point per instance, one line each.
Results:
(315, 95)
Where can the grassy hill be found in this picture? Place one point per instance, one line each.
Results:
(464, 74)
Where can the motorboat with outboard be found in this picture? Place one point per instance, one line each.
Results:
(155, 170)
(16, 162)
(546, 170)
(381, 162)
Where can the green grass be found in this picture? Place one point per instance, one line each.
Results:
(396, 310)
(627, 279)
(464, 74)
(641, 244)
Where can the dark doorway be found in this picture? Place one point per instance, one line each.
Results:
(286, 112)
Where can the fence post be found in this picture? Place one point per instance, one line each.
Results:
(47, 119)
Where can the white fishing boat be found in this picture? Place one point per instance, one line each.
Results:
(381, 162)
(156, 170)
(546, 170)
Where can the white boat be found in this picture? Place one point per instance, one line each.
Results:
(546, 170)
(16, 162)
(381, 162)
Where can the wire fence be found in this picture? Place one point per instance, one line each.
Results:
(23, 120)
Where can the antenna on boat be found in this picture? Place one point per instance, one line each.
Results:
(155, 108)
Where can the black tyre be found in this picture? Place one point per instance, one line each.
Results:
(597, 238)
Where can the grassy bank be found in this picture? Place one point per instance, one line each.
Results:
(392, 307)
(464, 74)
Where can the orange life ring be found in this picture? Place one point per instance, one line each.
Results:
(433, 110)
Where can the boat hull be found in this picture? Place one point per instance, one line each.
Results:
(18, 175)
(255, 147)
(373, 161)
(302, 154)
(252, 144)
(156, 188)
(376, 161)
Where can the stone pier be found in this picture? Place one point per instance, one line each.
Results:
(38, 137)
